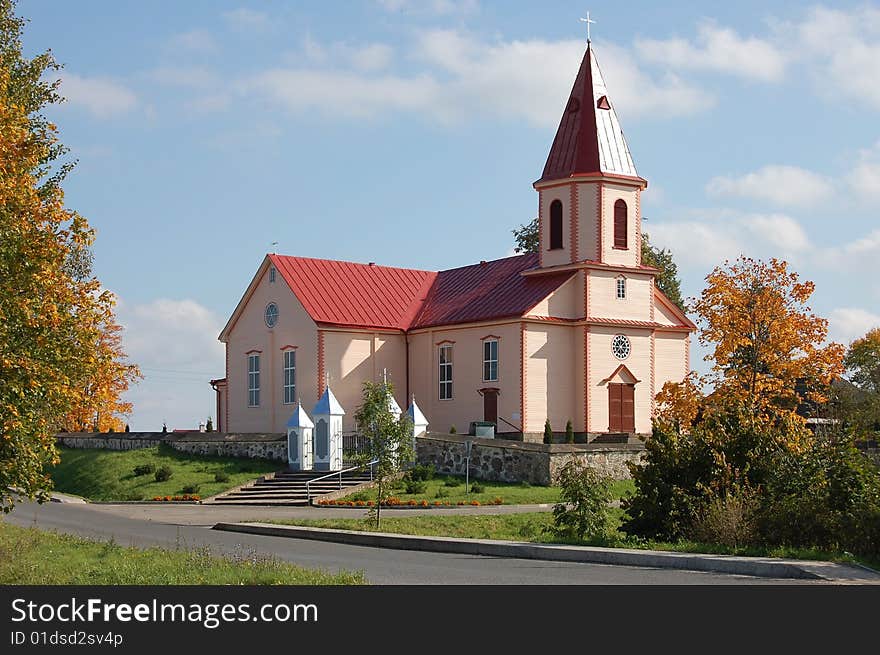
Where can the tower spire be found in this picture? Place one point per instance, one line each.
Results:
(589, 139)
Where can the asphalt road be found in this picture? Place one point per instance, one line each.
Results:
(379, 565)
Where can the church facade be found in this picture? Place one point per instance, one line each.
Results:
(575, 332)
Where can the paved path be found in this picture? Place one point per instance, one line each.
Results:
(381, 566)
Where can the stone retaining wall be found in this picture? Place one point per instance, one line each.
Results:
(491, 459)
(516, 461)
(255, 446)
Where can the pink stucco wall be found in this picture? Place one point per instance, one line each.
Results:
(551, 373)
(467, 403)
(294, 328)
(603, 364)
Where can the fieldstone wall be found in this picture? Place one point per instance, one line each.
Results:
(255, 446)
(110, 440)
(516, 461)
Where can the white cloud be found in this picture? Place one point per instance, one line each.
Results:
(849, 323)
(247, 19)
(718, 49)
(864, 179)
(431, 7)
(696, 244)
(199, 41)
(464, 76)
(723, 234)
(175, 344)
(786, 186)
(101, 97)
(846, 47)
(372, 57)
(781, 231)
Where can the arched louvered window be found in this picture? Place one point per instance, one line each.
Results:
(555, 225)
(620, 239)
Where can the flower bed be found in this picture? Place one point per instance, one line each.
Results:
(405, 504)
(184, 497)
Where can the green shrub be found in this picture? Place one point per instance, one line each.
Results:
(728, 519)
(452, 430)
(360, 495)
(827, 497)
(399, 483)
(191, 489)
(682, 471)
(477, 487)
(442, 493)
(582, 511)
(163, 473)
(422, 472)
(525, 484)
(144, 469)
(548, 432)
(452, 482)
(416, 486)
(569, 432)
(221, 476)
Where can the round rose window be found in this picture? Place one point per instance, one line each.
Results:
(620, 346)
(271, 314)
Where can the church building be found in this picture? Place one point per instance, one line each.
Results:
(575, 332)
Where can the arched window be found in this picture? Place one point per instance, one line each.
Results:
(555, 225)
(620, 224)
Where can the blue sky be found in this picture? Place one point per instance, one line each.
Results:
(409, 133)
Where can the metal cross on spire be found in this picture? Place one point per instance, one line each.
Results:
(589, 22)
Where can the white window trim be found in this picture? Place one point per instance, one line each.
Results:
(440, 367)
(284, 385)
(254, 379)
(271, 275)
(489, 361)
(617, 287)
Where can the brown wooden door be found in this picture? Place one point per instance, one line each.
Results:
(621, 408)
(490, 406)
(627, 408)
(615, 414)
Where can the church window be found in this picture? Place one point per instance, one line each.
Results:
(289, 376)
(620, 346)
(253, 380)
(490, 360)
(556, 225)
(271, 315)
(621, 288)
(445, 372)
(620, 237)
(272, 275)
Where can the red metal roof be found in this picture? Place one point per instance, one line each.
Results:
(488, 290)
(357, 295)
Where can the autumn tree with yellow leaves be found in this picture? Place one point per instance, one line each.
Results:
(768, 349)
(60, 355)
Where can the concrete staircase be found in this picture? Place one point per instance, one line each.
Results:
(287, 488)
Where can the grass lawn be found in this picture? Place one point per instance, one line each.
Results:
(33, 557)
(452, 489)
(534, 527)
(99, 474)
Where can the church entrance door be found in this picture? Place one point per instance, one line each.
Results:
(490, 405)
(621, 407)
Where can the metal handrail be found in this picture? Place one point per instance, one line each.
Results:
(339, 473)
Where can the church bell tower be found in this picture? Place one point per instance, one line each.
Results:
(589, 192)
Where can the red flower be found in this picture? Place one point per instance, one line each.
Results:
(475, 502)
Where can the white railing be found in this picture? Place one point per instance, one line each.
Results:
(339, 473)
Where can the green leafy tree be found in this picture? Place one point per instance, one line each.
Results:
(389, 439)
(583, 508)
(858, 402)
(862, 362)
(548, 432)
(527, 237)
(569, 432)
(667, 281)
